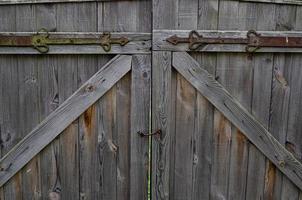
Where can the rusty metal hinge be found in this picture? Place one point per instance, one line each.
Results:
(158, 132)
(42, 39)
(253, 41)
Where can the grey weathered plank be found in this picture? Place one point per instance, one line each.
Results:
(239, 116)
(163, 117)
(260, 17)
(140, 43)
(28, 110)
(140, 113)
(257, 182)
(11, 190)
(204, 110)
(165, 14)
(45, 16)
(70, 110)
(222, 182)
(160, 43)
(68, 186)
(297, 2)
(203, 135)
(3, 2)
(279, 113)
(107, 145)
(292, 137)
(184, 139)
(88, 122)
(185, 101)
(285, 17)
(123, 123)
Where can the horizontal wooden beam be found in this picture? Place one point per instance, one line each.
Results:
(3, 2)
(160, 43)
(140, 43)
(239, 116)
(295, 2)
(63, 116)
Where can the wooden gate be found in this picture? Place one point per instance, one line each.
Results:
(230, 119)
(75, 115)
(69, 118)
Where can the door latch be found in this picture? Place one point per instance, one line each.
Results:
(158, 132)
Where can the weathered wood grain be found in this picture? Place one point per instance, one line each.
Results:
(163, 117)
(204, 110)
(45, 16)
(238, 115)
(68, 186)
(297, 2)
(140, 114)
(160, 43)
(3, 2)
(140, 43)
(56, 122)
(285, 17)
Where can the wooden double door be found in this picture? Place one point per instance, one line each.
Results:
(77, 122)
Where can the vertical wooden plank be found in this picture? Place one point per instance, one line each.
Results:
(45, 17)
(204, 111)
(299, 28)
(294, 127)
(140, 112)
(29, 118)
(203, 135)
(124, 164)
(117, 16)
(165, 14)
(107, 145)
(163, 117)
(263, 19)
(278, 117)
(184, 114)
(67, 20)
(184, 130)
(107, 139)
(187, 14)
(285, 16)
(9, 99)
(208, 14)
(88, 122)
(28, 101)
(9, 130)
(88, 130)
(224, 133)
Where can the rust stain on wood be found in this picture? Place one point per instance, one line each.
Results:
(241, 141)
(89, 118)
(269, 181)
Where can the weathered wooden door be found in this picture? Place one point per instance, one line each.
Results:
(69, 117)
(71, 110)
(216, 104)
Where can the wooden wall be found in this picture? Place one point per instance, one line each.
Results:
(201, 155)
(91, 158)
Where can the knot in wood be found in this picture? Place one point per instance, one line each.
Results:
(281, 163)
(89, 88)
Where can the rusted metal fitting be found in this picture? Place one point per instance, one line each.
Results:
(42, 40)
(253, 41)
(158, 132)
